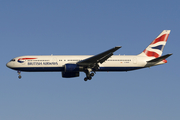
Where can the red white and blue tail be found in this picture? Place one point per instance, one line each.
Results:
(155, 49)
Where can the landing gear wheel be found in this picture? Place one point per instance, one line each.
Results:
(92, 74)
(19, 76)
(19, 73)
(85, 79)
(90, 78)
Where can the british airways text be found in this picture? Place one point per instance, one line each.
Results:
(42, 63)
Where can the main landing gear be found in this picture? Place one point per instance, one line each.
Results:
(89, 74)
(19, 73)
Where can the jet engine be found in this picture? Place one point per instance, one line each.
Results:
(71, 70)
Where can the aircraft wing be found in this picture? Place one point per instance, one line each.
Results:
(99, 58)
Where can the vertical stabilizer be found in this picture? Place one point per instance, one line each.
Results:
(155, 49)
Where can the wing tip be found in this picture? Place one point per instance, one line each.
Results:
(118, 47)
(170, 54)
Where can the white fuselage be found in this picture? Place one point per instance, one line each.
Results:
(57, 62)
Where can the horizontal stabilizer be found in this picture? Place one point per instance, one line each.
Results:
(157, 60)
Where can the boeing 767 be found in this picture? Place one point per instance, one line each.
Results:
(71, 65)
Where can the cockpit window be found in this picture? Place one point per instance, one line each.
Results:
(12, 60)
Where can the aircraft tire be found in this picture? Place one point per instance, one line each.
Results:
(85, 79)
(90, 78)
(19, 76)
(92, 74)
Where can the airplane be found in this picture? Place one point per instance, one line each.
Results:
(72, 65)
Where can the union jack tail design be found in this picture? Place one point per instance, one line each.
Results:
(155, 49)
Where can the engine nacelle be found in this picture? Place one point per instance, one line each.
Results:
(71, 68)
(70, 74)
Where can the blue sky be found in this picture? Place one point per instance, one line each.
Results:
(69, 27)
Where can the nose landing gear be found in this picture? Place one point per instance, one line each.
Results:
(19, 74)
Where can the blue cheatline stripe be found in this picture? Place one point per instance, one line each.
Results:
(158, 47)
(118, 68)
(56, 69)
(39, 69)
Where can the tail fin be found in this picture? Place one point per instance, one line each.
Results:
(155, 49)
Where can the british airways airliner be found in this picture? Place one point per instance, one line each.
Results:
(71, 65)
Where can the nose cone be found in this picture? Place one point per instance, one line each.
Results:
(9, 65)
